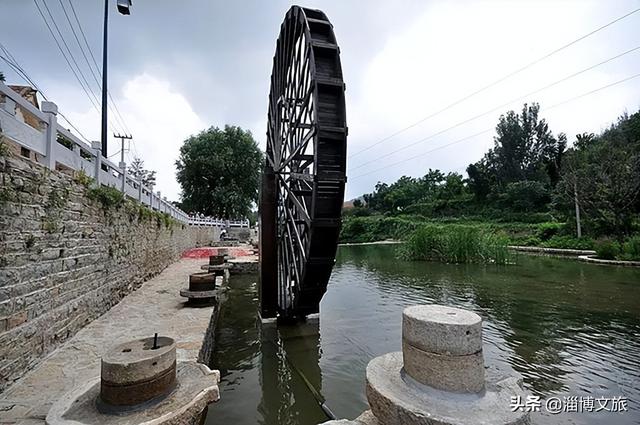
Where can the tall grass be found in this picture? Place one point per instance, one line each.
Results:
(456, 244)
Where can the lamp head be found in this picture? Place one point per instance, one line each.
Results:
(123, 7)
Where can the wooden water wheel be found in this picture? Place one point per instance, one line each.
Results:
(304, 174)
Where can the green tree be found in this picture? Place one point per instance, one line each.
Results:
(219, 172)
(136, 170)
(604, 172)
(2, 77)
(524, 150)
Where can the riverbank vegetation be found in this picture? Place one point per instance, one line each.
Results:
(525, 190)
(456, 244)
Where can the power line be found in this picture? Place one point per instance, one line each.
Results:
(94, 101)
(115, 106)
(498, 81)
(64, 55)
(13, 63)
(489, 129)
(64, 42)
(568, 77)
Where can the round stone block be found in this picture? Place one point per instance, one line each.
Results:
(460, 374)
(396, 398)
(202, 281)
(200, 298)
(137, 371)
(442, 330)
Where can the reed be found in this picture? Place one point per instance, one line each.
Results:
(456, 244)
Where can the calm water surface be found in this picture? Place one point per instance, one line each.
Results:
(570, 329)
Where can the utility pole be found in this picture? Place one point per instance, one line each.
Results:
(575, 198)
(123, 165)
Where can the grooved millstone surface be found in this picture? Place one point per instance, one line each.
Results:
(396, 398)
(442, 330)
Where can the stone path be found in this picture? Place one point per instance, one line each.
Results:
(155, 307)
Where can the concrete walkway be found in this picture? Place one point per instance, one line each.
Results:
(155, 307)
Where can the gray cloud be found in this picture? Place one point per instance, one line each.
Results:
(402, 61)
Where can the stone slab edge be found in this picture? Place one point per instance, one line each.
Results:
(552, 251)
(591, 259)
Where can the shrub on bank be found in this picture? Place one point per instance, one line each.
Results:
(631, 249)
(569, 242)
(607, 249)
(456, 244)
(548, 230)
(372, 229)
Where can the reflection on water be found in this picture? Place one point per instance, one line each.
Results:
(570, 329)
(270, 375)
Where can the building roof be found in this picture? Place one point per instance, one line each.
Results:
(27, 92)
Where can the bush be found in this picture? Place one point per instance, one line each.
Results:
(525, 196)
(547, 230)
(108, 196)
(371, 229)
(607, 249)
(81, 177)
(631, 249)
(568, 242)
(456, 244)
(531, 241)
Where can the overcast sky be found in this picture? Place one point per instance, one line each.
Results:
(178, 67)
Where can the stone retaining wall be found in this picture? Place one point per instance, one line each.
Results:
(66, 259)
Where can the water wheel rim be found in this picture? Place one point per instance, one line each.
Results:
(306, 151)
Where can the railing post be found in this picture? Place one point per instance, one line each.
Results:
(97, 152)
(159, 201)
(151, 195)
(140, 190)
(51, 109)
(123, 169)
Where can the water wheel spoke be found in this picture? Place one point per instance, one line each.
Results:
(306, 150)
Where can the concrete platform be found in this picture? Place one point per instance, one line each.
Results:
(155, 307)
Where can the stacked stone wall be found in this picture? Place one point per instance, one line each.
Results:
(67, 257)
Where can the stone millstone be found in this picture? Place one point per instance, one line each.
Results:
(186, 404)
(136, 371)
(397, 398)
(194, 295)
(202, 281)
(460, 374)
(442, 347)
(442, 330)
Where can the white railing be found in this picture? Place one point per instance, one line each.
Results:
(79, 155)
(208, 221)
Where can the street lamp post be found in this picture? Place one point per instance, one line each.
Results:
(123, 8)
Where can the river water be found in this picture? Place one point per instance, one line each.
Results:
(568, 328)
